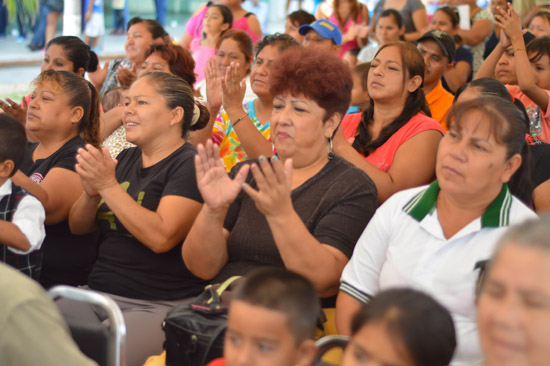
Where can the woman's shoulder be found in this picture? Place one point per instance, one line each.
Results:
(344, 175)
(519, 212)
(483, 14)
(414, 5)
(419, 123)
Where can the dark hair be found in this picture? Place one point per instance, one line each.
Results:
(78, 52)
(363, 71)
(508, 125)
(112, 98)
(392, 13)
(281, 290)
(178, 93)
(543, 13)
(180, 61)
(281, 40)
(353, 13)
(324, 78)
(13, 141)
(227, 15)
(538, 47)
(243, 39)
(155, 28)
(454, 17)
(81, 93)
(520, 183)
(415, 320)
(413, 65)
(300, 17)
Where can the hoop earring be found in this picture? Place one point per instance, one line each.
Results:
(330, 152)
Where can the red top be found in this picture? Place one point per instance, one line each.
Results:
(382, 158)
(217, 362)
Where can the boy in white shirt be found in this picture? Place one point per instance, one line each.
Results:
(21, 214)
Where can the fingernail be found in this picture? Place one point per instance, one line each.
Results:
(262, 158)
(275, 158)
(243, 186)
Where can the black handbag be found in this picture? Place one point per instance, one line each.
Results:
(195, 332)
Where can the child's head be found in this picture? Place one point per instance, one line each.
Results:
(538, 51)
(494, 4)
(389, 27)
(272, 319)
(540, 24)
(113, 97)
(13, 144)
(359, 93)
(505, 70)
(402, 327)
(218, 19)
(296, 19)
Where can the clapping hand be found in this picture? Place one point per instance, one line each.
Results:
(509, 22)
(96, 169)
(19, 112)
(213, 85)
(126, 77)
(233, 87)
(217, 189)
(273, 197)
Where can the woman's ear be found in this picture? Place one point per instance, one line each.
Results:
(512, 165)
(176, 116)
(80, 71)
(76, 114)
(225, 26)
(402, 31)
(331, 124)
(414, 83)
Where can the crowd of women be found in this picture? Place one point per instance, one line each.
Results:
(183, 165)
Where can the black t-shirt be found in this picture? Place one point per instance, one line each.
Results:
(126, 267)
(66, 258)
(540, 163)
(335, 205)
(462, 54)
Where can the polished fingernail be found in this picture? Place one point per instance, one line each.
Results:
(262, 158)
(274, 158)
(244, 185)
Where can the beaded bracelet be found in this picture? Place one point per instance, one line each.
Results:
(239, 120)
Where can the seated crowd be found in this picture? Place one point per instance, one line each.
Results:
(374, 183)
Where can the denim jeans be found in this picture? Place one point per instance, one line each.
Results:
(39, 36)
(3, 20)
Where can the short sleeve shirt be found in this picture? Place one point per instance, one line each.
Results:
(404, 245)
(125, 267)
(539, 120)
(406, 13)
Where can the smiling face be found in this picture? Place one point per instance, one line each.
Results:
(434, 59)
(298, 130)
(138, 40)
(373, 345)
(470, 162)
(154, 63)
(146, 115)
(229, 52)
(258, 336)
(49, 112)
(56, 59)
(514, 308)
(539, 26)
(259, 76)
(387, 30)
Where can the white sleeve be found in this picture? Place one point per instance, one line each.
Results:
(29, 218)
(361, 276)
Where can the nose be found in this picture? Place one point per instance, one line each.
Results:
(426, 60)
(458, 151)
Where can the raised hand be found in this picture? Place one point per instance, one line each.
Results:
(509, 22)
(274, 187)
(217, 189)
(19, 112)
(126, 77)
(213, 85)
(96, 168)
(233, 87)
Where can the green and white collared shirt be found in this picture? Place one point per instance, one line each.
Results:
(404, 246)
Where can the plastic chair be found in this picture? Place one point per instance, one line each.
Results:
(104, 343)
(329, 350)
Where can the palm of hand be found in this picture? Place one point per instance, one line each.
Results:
(217, 189)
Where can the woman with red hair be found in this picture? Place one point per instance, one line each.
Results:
(304, 208)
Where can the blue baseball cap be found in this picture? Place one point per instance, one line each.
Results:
(325, 29)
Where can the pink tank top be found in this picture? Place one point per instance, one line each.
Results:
(242, 24)
(382, 158)
(351, 45)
